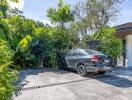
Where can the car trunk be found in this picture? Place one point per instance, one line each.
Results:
(103, 60)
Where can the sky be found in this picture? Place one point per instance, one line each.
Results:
(37, 9)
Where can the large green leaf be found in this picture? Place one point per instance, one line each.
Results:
(24, 44)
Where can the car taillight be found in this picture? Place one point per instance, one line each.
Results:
(95, 58)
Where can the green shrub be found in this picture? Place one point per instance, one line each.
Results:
(109, 43)
(7, 75)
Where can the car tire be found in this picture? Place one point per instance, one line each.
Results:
(82, 70)
(102, 72)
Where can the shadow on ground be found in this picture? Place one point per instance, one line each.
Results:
(123, 71)
(26, 72)
(116, 81)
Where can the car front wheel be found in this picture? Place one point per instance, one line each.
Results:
(82, 70)
(102, 72)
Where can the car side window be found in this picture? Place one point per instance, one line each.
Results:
(69, 53)
(74, 53)
(81, 53)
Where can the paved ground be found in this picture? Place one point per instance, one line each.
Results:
(63, 85)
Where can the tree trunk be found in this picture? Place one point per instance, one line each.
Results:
(41, 64)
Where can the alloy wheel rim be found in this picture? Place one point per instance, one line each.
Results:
(81, 70)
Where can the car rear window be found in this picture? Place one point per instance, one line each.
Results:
(92, 52)
(69, 53)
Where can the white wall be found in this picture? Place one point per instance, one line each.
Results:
(129, 50)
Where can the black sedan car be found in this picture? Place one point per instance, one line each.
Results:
(87, 60)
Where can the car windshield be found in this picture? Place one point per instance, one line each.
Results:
(92, 52)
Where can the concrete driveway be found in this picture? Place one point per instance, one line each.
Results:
(47, 84)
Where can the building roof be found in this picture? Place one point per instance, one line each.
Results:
(124, 29)
(129, 24)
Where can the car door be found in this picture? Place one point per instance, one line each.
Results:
(79, 56)
(74, 59)
(68, 58)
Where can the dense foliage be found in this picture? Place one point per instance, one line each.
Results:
(61, 15)
(109, 43)
(91, 15)
(7, 75)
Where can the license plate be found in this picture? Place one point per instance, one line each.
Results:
(106, 61)
(107, 68)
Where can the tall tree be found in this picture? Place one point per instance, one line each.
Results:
(61, 15)
(4, 6)
(15, 12)
(109, 43)
(94, 14)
